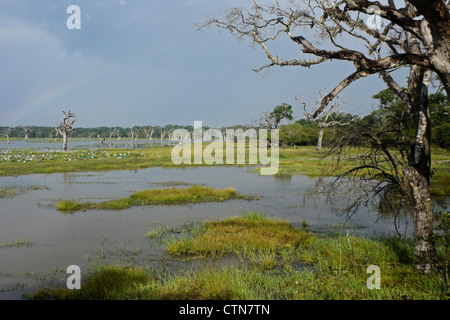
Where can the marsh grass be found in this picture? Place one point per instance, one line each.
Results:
(170, 183)
(285, 263)
(165, 196)
(16, 243)
(158, 232)
(12, 191)
(240, 235)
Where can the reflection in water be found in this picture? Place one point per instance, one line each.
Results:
(283, 179)
(316, 197)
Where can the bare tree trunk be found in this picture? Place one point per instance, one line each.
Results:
(419, 171)
(64, 134)
(65, 127)
(320, 138)
(425, 250)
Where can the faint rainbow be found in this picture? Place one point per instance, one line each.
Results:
(44, 98)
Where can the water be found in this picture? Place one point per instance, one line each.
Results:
(49, 145)
(83, 238)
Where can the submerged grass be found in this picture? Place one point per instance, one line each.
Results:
(285, 263)
(16, 243)
(165, 196)
(12, 191)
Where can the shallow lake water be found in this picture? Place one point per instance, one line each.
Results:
(57, 240)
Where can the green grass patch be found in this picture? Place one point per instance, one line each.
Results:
(287, 263)
(241, 235)
(166, 196)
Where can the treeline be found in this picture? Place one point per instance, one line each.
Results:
(43, 132)
(390, 114)
(141, 132)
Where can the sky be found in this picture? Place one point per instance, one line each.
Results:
(143, 62)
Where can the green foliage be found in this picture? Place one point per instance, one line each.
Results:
(281, 112)
(299, 133)
(393, 113)
(440, 135)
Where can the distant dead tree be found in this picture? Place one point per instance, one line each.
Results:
(134, 133)
(102, 139)
(148, 133)
(165, 131)
(57, 133)
(112, 131)
(322, 118)
(27, 130)
(66, 126)
(7, 133)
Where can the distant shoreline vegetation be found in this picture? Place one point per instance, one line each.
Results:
(302, 132)
(292, 161)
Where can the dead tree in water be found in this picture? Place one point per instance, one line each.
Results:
(102, 139)
(134, 134)
(165, 131)
(66, 126)
(27, 130)
(112, 131)
(148, 133)
(7, 133)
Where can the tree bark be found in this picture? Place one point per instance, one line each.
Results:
(418, 172)
(64, 134)
(437, 16)
(320, 138)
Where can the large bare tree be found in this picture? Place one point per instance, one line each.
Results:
(66, 126)
(416, 36)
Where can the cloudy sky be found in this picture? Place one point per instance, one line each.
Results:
(143, 62)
